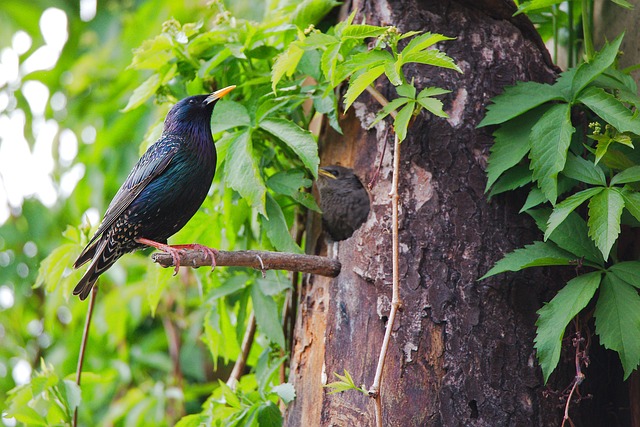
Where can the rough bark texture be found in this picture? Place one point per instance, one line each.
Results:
(462, 351)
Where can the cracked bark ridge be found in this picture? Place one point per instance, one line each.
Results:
(461, 352)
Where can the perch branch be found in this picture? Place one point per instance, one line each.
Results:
(241, 362)
(260, 260)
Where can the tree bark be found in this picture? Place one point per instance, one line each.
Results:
(461, 352)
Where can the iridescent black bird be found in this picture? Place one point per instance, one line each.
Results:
(162, 192)
(344, 201)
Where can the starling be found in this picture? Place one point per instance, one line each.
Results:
(162, 192)
(344, 201)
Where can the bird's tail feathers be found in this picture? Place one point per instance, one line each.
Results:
(87, 254)
(103, 257)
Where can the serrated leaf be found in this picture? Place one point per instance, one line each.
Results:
(588, 71)
(537, 254)
(276, 228)
(285, 391)
(362, 31)
(267, 317)
(393, 73)
(584, 171)
(229, 115)
(556, 315)
(434, 106)
(605, 210)
(432, 91)
(571, 235)
(568, 205)
(632, 202)
(610, 109)
(406, 90)
(423, 41)
(143, 92)
(401, 122)
(511, 144)
(517, 100)
(152, 54)
(628, 175)
(345, 383)
(360, 84)
(550, 138)
(285, 64)
(329, 62)
(628, 271)
(516, 177)
(387, 109)
(242, 172)
(357, 62)
(617, 316)
(289, 183)
(431, 57)
(301, 141)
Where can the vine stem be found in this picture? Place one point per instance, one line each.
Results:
(83, 345)
(241, 362)
(396, 302)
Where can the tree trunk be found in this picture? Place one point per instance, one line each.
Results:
(461, 352)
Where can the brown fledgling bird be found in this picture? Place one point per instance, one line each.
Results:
(344, 201)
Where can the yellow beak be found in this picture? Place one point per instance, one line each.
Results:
(219, 94)
(324, 172)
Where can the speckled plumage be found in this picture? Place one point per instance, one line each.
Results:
(344, 201)
(162, 192)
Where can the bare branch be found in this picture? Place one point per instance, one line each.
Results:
(83, 345)
(241, 362)
(260, 260)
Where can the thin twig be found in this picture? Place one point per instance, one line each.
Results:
(241, 362)
(381, 99)
(312, 264)
(374, 391)
(83, 345)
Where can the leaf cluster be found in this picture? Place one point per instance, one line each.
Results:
(537, 145)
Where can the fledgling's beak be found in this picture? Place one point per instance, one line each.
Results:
(219, 94)
(326, 173)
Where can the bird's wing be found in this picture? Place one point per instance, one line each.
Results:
(149, 167)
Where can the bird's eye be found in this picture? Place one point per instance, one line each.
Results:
(192, 101)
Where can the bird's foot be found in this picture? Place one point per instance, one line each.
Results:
(211, 252)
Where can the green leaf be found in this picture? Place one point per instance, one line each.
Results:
(434, 106)
(286, 64)
(157, 280)
(511, 144)
(628, 175)
(360, 83)
(423, 41)
(143, 92)
(362, 31)
(269, 415)
(431, 57)
(555, 316)
(623, 3)
(357, 62)
(518, 99)
(605, 210)
(285, 391)
(267, 316)
(153, 53)
(406, 90)
(329, 62)
(301, 141)
(618, 320)
(387, 109)
(276, 228)
(229, 115)
(289, 183)
(516, 177)
(550, 138)
(310, 12)
(432, 91)
(568, 205)
(610, 109)
(628, 271)
(537, 254)
(528, 6)
(345, 383)
(242, 172)
(571, 235)
(588, 71)
(584, 171)
(632, 202)
(401, 122)
(194, 420)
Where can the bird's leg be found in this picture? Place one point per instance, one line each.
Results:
(174, 252)
(213, 253)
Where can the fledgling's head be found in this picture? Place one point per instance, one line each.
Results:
(193, 110)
